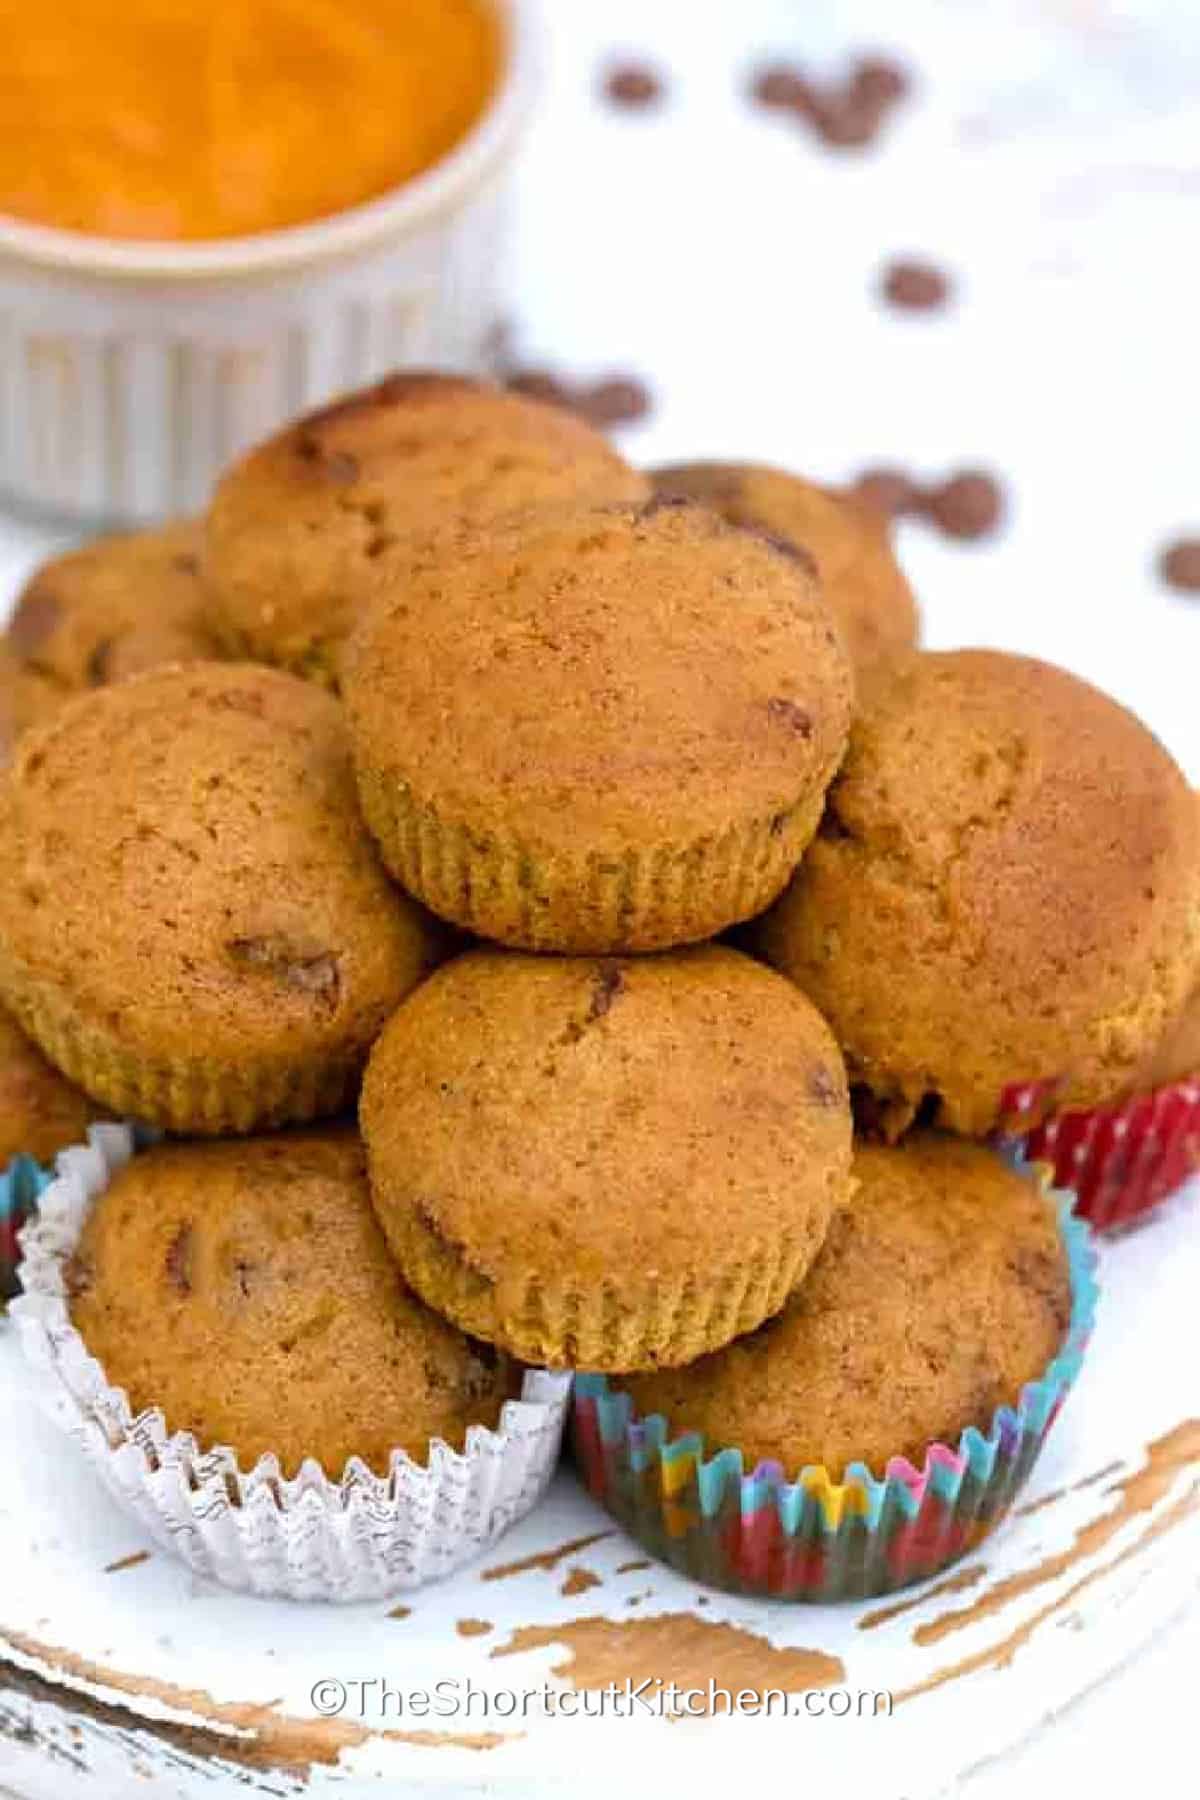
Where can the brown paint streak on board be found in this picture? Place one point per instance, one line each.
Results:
(1056, 1494)
(968, 1576)
(1140, 1491)
(400, 1612)
(545, 1559)
(1000, 1656)
(578, 1581)
(238, 1733)
(674, 1647)
(127, 1562)
(469, 1628)
(631, 1568)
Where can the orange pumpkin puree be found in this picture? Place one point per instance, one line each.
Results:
(186, 119)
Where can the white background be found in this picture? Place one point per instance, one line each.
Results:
(1050, 158)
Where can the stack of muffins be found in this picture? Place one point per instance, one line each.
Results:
(692, 938)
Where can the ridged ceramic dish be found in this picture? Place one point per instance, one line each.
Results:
(131, 372)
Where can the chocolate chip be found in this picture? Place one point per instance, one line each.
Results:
(185, 563)
(99, 664)
(306, 971)
(35, 621)
(615, 400)
(610, 985)
(179, 1260)
(887, 491)
(621, 400)
(915, 286)
(880, 80)
(633, 84)
(843, 121)
(786, 712)
(780, 86)
(1179, 565)
(969, 505)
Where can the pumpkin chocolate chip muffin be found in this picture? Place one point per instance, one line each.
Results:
(940, 1291)
(245, 1290)
(861, 580)
(1005, 889)
(40, 1112)
(305, 526)
(194, 925)
(111, 609)
(606, 1164)
(598, 730)
(24, 701)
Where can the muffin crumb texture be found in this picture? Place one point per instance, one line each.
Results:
(606, 1164)
(941, 1291)
(244, 1289)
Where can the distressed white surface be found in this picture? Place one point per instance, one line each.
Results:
(1052, 161)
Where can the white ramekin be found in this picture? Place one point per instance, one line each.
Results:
(131, 372)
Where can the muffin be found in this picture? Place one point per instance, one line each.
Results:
(245, 1290)
(606, 1164)
(40, 1112)
(194, 926)
(24, 701)
(598, 731)
(114, 608)
(860, 578)
(1005, 889)
(307, 525)
(938, 1294)
(882, 1423)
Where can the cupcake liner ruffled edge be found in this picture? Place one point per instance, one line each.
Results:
(815, 1538)
(308, 1537)
(1119, 1161)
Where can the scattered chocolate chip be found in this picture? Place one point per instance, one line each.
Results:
(969, 505)
(633, 84)
(621, 400)
(786, 712)
(1179, 565)
(615, 400)
(879, 80)
(780, 86)
(887, 491)
(847, 114)
(915, 286)
(179, 1260)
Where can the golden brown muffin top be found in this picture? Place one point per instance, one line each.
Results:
(602, 679)
(113, 608)
(25, 701)
(941, 1290)
(40, 1112)
(1176, 1056)
(245, 1289)
(187, 863)
(861, 580)
(627, 1120)
(298, 528)
(1006, 888)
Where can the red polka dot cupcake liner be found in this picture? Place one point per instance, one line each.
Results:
(1120, 1161)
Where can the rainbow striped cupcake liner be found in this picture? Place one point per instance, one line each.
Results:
(816, 1539)
(20, 1185)
(1119, 1161)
